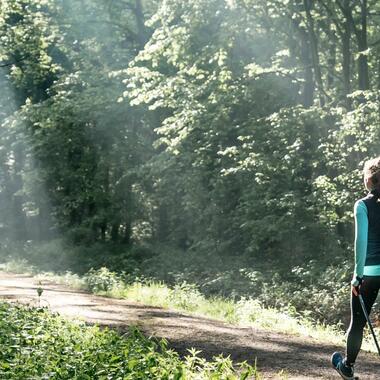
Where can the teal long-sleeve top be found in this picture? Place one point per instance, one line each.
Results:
(361, 242)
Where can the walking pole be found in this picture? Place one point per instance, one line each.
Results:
(368, 321)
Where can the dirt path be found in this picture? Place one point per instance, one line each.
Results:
(298, 357)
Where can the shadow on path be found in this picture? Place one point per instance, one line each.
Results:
(298, 357)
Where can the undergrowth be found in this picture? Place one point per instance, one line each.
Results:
(187, 297)
(38, 345)
(310, 299)
(316, 290)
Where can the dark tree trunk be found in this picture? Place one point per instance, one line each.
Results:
(103, 230)
(305, 53)
(331, 62)
(309, 87)
(313, 43)
(378, 70)
(115, 232)
(363, 47)
(127, 233)
(142, 31)
(18, 214)
(346, 52)
(361, 39)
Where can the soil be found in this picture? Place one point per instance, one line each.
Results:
(279, 356)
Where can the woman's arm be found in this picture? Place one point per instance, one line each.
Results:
(361, 238)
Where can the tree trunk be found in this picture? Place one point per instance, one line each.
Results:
(308, 91)
(378, 69)
(142, 31)
(127, 232)
(363, 47)
(103, 230)
(331, 62)
(361, 39)
(346, 52)
(305, 54)
(18, 214)
(313, 43)
(115, 232)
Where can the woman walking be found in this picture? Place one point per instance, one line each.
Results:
(366, 279)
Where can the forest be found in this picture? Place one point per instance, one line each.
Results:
(214, 146)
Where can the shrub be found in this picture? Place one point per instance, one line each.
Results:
(186, 296)
(38, 345)
(101, 280)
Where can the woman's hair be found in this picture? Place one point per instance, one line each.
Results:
(372, 171)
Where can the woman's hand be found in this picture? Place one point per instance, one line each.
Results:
(355, 290)
(355, 285)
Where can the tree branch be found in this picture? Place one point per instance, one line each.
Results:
(15, 61)
(7, 64)
(331, 14)
(111, 23)
(348, 16)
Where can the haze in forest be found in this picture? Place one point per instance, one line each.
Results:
(215, 142)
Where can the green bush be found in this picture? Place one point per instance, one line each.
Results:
(186, 296)
(101, 280)
(38, 345)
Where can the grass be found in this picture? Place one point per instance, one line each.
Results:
(38, 345)
(283, 375)
(186, 297)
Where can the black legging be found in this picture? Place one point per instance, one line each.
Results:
(369, 290)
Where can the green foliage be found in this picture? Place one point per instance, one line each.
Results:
(18, 266)
(242, 160)
(59, 256)
(30, 43)
(304, 291)
(78, 151)
(40, 345)
(243, 310)
(217, 143)
(186, 296)
(101, 280)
